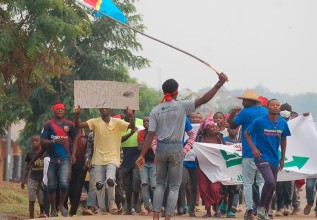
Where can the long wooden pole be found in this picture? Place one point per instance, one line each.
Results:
(153, 38)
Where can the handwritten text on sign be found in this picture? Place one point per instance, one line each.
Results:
(106, 94)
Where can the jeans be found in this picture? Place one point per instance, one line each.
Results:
(284, 194)
(249, 171)
(269, 173)
(105, 175)
(192, 173)
(148, 182)
(310, 194)
(58, 170)
(119, 199)
(169, 165)
(235, 201)
(91, 197)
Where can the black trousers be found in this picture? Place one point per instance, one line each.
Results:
(75, 189)
(131, 185)
(284, 194)
(192, 174)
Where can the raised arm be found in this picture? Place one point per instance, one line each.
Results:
(132, 118)
(127, 136)
(212, 92)
(79, 124)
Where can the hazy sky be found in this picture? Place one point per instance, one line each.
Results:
(267, 42)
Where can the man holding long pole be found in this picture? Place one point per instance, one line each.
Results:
(167, 122)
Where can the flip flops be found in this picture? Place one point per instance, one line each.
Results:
(144, 212)
(230, 215)
(53, 214)
(114, 211)
(64, 212)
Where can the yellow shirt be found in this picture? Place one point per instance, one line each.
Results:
(107, 140)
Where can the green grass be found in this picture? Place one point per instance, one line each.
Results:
(15, 202)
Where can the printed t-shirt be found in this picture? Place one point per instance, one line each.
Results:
(52, 130)
(36, 172)
(268, 137)
(168, 119)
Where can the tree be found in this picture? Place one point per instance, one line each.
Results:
(33, 35)
(149, 98)
(60, 44)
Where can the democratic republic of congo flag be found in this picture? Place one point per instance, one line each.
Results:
(105, 6)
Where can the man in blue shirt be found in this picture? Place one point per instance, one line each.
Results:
(245, 117)
(270, 131)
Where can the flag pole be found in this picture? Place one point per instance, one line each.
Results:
(153, 38)
(176, 48)
(160, 41)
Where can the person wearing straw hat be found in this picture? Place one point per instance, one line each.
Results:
(167, 123)
(246, 116)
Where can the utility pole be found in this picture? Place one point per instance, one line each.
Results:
(9, 156)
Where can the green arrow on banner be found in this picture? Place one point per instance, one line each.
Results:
(297, 162)
(231, 159)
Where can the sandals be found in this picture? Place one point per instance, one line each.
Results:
(53, 214)
(235, 209)
(64, 212)
(43, 215)
(114, 211)
(230, 215)
(144, 212)
(218, 214)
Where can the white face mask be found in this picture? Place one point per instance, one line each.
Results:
(285, 114)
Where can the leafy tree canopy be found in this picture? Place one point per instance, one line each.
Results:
(47, 44)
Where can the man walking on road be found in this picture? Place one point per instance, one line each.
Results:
(167, 123)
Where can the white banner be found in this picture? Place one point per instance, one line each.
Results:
(223, 163)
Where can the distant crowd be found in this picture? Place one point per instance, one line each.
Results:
(129, 165)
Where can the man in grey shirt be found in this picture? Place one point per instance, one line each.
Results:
(167, 123)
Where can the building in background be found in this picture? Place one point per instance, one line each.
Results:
(11, 170)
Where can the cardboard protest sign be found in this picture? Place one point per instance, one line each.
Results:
(106, 94)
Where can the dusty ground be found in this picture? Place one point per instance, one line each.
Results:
(239, 216)
(4, 216)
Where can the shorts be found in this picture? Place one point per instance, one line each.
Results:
(35, 189)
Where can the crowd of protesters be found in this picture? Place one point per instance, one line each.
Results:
(133, 166)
